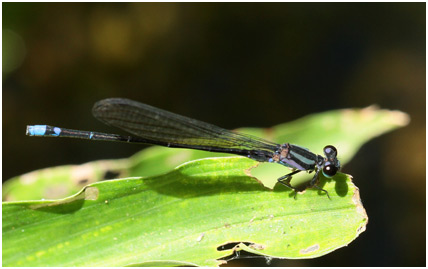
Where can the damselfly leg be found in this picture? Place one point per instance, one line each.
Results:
(286, 181)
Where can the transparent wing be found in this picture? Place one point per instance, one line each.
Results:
(159, 125)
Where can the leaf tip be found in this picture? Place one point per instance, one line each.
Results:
(395, 117)
(399, 118)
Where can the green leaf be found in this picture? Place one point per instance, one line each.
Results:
(184, 215)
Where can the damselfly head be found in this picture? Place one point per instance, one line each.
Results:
(332, 164)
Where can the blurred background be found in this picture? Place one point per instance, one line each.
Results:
(233, 65)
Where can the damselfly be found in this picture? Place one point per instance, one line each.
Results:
(155, 126)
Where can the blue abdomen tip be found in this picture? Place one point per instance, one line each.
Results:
(33, 130)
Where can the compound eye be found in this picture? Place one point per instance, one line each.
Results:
(329, 169)
(330, 151)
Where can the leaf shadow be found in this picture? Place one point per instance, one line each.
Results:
(181, 185)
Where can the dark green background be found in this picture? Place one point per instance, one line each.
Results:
(233, 65)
